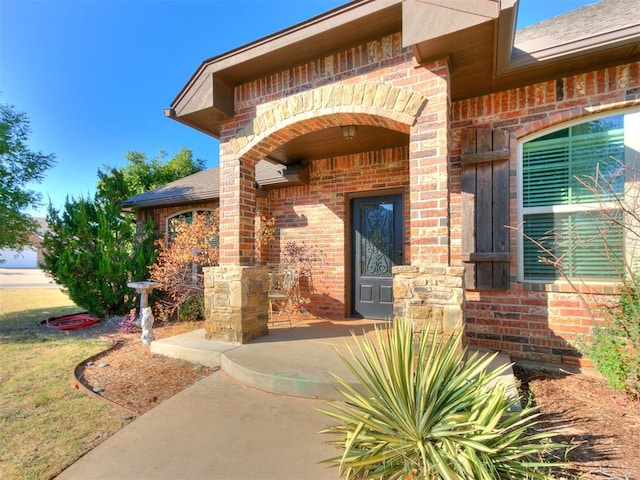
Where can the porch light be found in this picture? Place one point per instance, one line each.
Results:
(349, 132)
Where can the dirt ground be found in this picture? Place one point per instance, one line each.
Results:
(602, 426)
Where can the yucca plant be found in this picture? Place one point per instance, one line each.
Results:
(424, 409)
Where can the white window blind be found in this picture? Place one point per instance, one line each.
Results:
(562, 212)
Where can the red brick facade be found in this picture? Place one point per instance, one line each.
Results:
(317, 216)
(159, 216)
(534, 321)
(378, 84)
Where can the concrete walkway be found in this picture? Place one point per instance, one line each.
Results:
(24, 278)
(216, 429)
(228, 426)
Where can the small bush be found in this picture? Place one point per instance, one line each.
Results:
(427, 412)
(191, 310)
(614, 345)
(179, 264)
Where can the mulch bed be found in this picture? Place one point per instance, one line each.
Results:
(601, 425)
(131, 376)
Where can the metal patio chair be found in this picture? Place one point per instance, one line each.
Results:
(283, 285)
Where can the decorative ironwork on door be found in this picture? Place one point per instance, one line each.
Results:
(377, 247)
(376, 240)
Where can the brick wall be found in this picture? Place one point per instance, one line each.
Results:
(376, 84)
(532, 321)
(316, 216)
(160, 215)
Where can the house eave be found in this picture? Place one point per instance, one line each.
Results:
(356, 22)
(625, 41)
(476, 36)
(134, 206)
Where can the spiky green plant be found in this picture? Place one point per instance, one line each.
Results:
(428, 411)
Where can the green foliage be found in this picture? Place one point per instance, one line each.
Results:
(141, 175)
(18, 167)
(427, 411)
(93, 250)
(192, 309)
(614, 344)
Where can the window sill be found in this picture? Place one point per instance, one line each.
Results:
(560, 286)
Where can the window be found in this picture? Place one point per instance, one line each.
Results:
(562, 211)
(186, 217)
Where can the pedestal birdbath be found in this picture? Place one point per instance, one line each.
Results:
(146, 315)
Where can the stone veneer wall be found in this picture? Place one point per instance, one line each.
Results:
(433, 294)
(236, 303)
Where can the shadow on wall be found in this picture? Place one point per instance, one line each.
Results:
(528, 325)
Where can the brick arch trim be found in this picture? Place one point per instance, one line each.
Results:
(563, 116)
(379, 105)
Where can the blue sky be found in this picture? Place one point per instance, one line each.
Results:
(94, 75)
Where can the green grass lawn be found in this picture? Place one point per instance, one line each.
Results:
(45, 424)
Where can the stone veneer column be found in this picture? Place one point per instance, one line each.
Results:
(236, 304)
(236, 294)
(430, 294)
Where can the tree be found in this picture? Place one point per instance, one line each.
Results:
(18, 167)
(92, 248)
(141, 175)
(93, 251)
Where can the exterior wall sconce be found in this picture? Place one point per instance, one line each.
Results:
(349, 132)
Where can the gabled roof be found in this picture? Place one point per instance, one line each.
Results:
(588, 21)
(476, 35)
(604, 33)
(486, 54)
(205, 186)
(200, 186)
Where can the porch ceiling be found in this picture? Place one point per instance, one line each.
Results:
(330, 142)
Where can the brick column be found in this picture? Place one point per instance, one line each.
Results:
(236, 293)
(237, 208)
(428, 168)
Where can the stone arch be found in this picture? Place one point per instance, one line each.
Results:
(379, 105)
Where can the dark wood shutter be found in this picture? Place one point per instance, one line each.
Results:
(485, 208)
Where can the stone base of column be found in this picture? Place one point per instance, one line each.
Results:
(236, 303)
(430, 295)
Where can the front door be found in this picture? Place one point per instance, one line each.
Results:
(377, 247)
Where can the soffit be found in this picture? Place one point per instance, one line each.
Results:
(330, 142)
(352, 24)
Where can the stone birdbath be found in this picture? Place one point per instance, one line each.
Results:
(146, 315)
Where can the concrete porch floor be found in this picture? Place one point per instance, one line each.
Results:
(248, 420)
(290, 361)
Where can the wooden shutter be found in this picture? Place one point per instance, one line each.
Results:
(485, 208)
